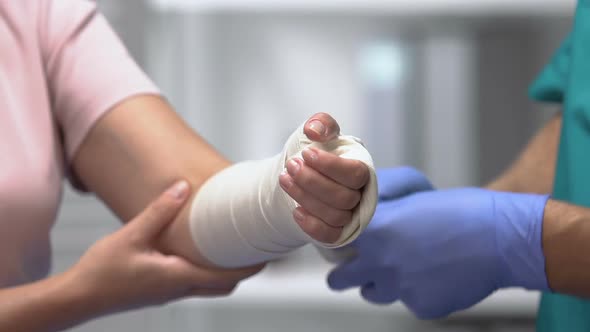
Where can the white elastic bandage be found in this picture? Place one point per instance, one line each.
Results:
(241, 216)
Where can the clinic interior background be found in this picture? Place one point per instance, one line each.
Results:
(436, 84)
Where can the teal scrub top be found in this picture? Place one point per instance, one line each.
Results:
(566, 80)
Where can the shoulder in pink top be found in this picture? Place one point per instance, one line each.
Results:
(61, 69)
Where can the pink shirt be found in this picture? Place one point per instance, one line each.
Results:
(61, 68)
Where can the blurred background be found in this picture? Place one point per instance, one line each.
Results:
(437, 84)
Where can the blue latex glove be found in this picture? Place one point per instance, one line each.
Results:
(443, 251)
(398, 182)
(392, 183)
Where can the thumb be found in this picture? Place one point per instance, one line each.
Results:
(347, 275)
(321, 127)
(153, 219)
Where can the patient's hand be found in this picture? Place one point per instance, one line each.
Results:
(327, 187)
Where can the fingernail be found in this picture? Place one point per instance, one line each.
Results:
(293, 167)
(310, 154)
(285, 180)
(298, 215)
(317, 127)
(179, 190)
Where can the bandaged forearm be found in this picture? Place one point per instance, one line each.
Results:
(241, 216)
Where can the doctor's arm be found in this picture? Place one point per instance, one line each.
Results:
(534, 168)
(566, 227)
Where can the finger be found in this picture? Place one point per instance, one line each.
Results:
(347, 275)
(316, 228)
(331, 216)
(160, 212)
(394, 183)
(377, 295)
(351, 173)
(321, 187)
(321, 127)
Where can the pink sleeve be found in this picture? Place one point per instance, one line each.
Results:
(88, 69)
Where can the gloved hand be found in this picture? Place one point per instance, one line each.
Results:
(392, 183)
(443, 251)
(398, 182)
